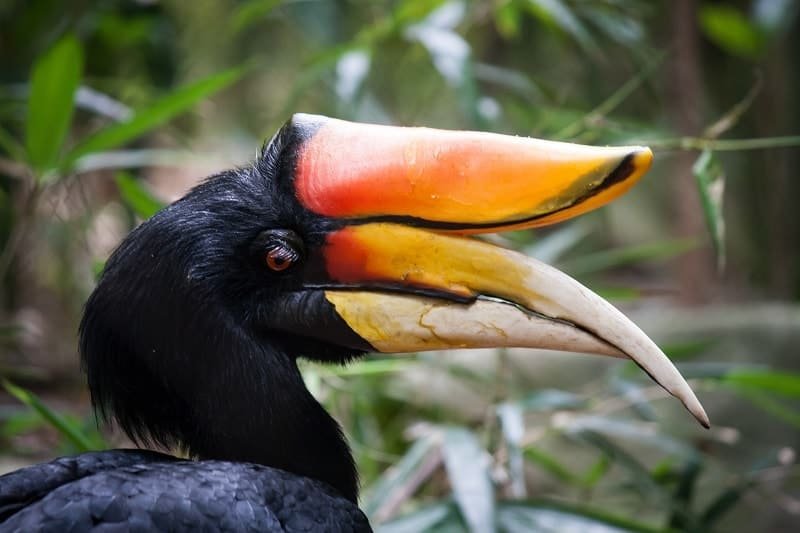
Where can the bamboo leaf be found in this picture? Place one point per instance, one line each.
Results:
(426, 519)
(730, 29)
(449, 51)
(369, 367)
(51, 102)
(551, 517)
(70, 431)
(596, 472)
(512, 422)
(783, 383)
(158, 113)
(11, 146)
(640, 475)
(250, 12)
(711, 184)
(622, 429)
(551, 399)
(467, 465)
(552, 247)
(556, 13)
(599, 261)
(398, 476)
(552, 466)
(136, 196)
(680, 517)
(723, 503)
(772, 406)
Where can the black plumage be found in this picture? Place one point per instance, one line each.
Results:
(125, 490)
(182, 346)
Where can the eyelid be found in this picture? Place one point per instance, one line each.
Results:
(277, 249)
(276, 254)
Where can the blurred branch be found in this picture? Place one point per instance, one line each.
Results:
(732, 116)
(102, 104)
(14, 169)
(594, 116)
(723, 145)
(119, 159)
(24, 221)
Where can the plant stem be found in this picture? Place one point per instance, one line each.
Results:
(723, 145)
(20, 228)
(612, 102)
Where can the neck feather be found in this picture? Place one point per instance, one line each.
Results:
(218, 396)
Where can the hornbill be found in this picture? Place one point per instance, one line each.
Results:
(340, 239)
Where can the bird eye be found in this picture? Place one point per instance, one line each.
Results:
(280, 258)
(278, 249)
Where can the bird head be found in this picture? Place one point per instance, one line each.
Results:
(342, 239)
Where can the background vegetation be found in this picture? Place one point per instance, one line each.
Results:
(109, 108)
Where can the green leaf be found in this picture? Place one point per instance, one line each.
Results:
(449, 51)
(604, 260)
(250, 12)
(467, 465)
(369, 367)
(552, 517)
(136, 196)
(158, 113)
(410, 11)
(731, 117)
(687, 349)
(619, 25)
(550, 400)
(711, 184)
(729, 28)
(772, 406)
(723, 503)
(558, 14)
(425, 519)
(617, 293)
(713, 370)
(634, 393)
(9, 331)
(512, 422)
(507, 19)
(680, 517)
(70, 431)
(20, 423)
(624, 429)
(54, 80)
(783, 383)
(554, 245)
(597, 471)
(746, 377)
(641, 479)
(11, 146)
(552, 466)
(397, 477)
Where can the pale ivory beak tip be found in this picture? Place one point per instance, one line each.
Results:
(700, 414)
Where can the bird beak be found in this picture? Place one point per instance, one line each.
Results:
(402, 274)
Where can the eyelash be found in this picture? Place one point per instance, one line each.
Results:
(280, 258)
(278, 249)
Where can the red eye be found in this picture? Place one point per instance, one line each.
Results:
(279, 259)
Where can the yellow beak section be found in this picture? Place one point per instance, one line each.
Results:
(485, 296)
(456, 180)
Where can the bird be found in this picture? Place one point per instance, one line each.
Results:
(339, 240)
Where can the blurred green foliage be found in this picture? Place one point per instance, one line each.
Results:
(100, 97)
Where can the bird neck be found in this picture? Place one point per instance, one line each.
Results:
(269, 417)
(221, 396)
